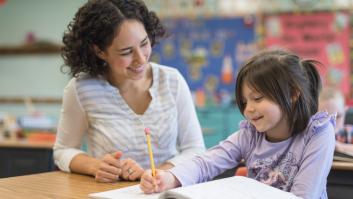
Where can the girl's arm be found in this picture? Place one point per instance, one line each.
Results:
(311, 179)
(216, 160)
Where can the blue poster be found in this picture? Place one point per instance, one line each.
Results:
(208, 53)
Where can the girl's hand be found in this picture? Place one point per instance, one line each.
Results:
(163, 180)
(131, 170)
(109, 168)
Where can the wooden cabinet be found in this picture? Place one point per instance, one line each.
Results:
(21, 158)
(340, 181)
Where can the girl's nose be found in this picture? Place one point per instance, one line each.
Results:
(249, 108)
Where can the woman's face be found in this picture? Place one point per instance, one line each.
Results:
(129, 52)
(264, 114)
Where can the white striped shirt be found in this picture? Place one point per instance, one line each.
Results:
(95, 109)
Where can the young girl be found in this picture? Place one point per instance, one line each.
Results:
(284, 142)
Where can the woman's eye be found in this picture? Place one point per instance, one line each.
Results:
(125, 53)
(144, 44)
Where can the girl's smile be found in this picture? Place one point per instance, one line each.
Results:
(264, 114)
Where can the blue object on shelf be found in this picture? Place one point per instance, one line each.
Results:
(218, 123)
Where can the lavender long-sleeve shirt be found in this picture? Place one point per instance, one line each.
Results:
(302, 170)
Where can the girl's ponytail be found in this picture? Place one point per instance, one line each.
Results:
(310, 67)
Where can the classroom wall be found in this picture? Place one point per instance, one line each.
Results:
(39, 75)
(33, 75)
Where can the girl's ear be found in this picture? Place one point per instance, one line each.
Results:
(99, 52)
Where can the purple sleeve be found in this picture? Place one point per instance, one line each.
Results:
(310, 181)
(203, 168)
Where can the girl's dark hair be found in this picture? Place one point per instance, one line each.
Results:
(285, 79)
(96, 23)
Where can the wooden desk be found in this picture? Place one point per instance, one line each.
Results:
(56, 184)
(26, 144)
(348, 166)
(340, 181)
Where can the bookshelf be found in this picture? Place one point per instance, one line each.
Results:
(37, 100)
(44, 48)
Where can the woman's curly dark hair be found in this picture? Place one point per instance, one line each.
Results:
(96, 23)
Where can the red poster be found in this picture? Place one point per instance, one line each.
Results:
(323, 36)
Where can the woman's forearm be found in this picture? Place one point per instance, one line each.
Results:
(84, 164)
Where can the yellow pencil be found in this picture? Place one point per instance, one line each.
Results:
(148, 137)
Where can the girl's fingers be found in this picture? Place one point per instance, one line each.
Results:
(147, 184)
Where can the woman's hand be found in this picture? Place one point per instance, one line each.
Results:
(163, 180)
(131, 170)
(109, 168)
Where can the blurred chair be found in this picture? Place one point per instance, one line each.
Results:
(241, 171)
(349, 116)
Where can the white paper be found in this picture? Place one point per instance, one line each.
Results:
(131, 192)
(236, 187)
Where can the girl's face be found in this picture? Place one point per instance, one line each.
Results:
(264, 114)
(129, 52)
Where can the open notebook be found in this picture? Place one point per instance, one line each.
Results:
(236, 187)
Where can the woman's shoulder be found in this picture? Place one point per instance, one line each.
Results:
(84, 80)
(85, 85)
(165, 71)
(321, 122)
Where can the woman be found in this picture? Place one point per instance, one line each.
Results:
(116, 93)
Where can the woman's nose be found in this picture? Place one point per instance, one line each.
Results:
(139, 57)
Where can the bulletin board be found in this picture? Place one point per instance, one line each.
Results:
(323, 36)
(208, 52)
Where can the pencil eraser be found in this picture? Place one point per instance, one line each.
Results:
(147, 131)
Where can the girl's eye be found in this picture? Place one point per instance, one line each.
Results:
(258, 98)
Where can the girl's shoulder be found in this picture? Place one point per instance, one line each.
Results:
(321, 122)
(248, 130)
(246, 125)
